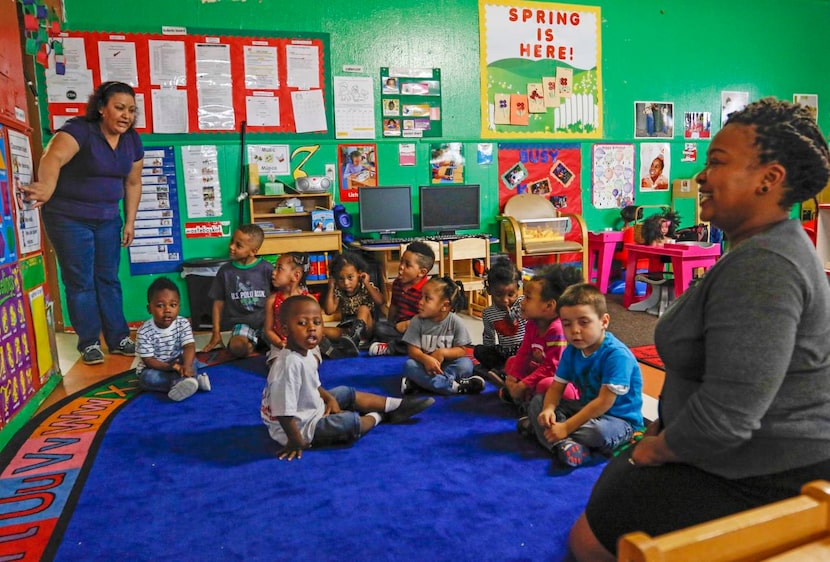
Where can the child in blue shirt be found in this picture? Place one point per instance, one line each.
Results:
(607, 376)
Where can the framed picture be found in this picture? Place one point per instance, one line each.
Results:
(653, 119)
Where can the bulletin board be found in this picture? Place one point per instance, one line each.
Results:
(198, 83)
(411, 102)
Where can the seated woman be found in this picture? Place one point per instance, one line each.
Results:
(744, 419)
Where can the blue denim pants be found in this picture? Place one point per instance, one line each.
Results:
(601, 434)
(162, 381)
(342, 428)
(443, 383)
(89, 253)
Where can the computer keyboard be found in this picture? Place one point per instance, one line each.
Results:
(434, 238)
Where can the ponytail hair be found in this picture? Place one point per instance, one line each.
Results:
(453, 291)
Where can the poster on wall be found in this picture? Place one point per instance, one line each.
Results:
(8, 246)
(613, 176)
(203, 192)
(541, 69)
(655, 166)
(446, 162)
(653, 119)
(358, 168)
(731, 101)
(157, 246)
(550, 170)
(697, 125)
(28, 219)
(354, 107)
(16, 369)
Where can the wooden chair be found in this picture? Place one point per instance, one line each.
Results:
(531, 226)
(789, 530)
(461, 255)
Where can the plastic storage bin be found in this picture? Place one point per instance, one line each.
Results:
(199, 274)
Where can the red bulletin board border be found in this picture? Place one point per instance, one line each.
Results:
(237, 45)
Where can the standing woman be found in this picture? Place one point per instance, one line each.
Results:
(745, 407)
(90, 164)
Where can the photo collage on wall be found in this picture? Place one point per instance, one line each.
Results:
(410, 102)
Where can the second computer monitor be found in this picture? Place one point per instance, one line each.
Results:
(385, 209)
(448, 208)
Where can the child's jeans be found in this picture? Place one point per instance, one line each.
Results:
(604, 433)
(443, 383)
(162, 381)
(343, 427)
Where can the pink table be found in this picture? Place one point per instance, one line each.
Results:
(685, 258)
(601, 247)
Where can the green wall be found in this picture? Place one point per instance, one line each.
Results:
(652, 50)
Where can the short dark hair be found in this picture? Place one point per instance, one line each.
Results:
(423, 254)
(583, 293)
(161, 284)
(288, 305)
(254, 232)
(101, 97)
(788, 134)
(555, 279)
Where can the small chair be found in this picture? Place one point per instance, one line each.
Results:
(793, 529)
(531, 226)
(461, 256)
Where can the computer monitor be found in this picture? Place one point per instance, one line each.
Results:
(385, 209)
(448, 208)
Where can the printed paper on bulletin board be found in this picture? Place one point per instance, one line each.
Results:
(541, 70)
(201, 82)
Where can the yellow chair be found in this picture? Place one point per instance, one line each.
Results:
(531, 226)
(794, 529)
(461, 255)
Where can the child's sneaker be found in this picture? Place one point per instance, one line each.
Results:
(185, 388)
(379, 348)
(204, 382)
(470, 385)
(571, 453)
(495, 377)
(407, 387)
(409, 407)
(504, 396)
(523, 427)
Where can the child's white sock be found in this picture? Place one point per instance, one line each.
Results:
(375, 416)
(392, 404)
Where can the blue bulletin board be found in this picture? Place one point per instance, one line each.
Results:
(8, 246)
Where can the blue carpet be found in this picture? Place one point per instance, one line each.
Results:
(199, 480)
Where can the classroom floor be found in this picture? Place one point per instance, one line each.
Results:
(77, 375)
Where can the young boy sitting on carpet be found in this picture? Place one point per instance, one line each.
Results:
(413, 273)
(299, 412)
(605, 372)
(241, 288)
(165, 346)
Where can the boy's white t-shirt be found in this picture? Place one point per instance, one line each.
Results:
(292, 390)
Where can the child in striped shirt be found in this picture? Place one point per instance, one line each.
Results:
(166, 348)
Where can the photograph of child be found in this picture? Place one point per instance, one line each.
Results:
(390, 85)
(654, 166)
(653, 119)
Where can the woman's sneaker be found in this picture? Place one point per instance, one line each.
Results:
(125, 347)
(92, 355)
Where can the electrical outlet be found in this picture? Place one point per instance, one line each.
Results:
(330, 171)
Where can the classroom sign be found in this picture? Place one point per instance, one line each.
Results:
(540, 70)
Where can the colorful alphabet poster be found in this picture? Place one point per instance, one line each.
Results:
(16, 369)
(540, 70)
